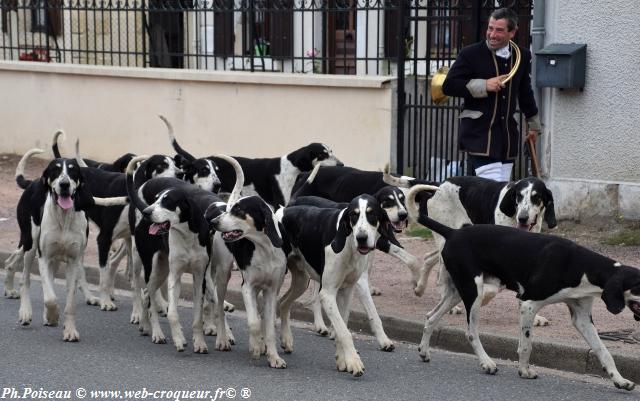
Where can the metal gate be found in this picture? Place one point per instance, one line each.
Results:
(431, 34)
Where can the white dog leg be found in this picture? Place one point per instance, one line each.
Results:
(362, 288)
(70, 333)
(347, 358)
(581, 319)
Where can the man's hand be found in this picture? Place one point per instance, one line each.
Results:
(495, 84)
(531, 134)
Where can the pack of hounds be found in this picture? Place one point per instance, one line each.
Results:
(308, 215)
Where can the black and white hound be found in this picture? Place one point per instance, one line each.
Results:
(542, 270)
(176, 208)
(332, 247)
(16, 261)
(51, 216)
(260, 248)
(523, 204)
(341, 184)
(270, 178)
(113, 222)
(362, 285)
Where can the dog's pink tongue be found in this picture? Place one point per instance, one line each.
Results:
(65, 202)
(154, 228)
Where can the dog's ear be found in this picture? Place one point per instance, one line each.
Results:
(82, 199)
(180, 161)
(302, 159)
(270, 229)
(386, 229)
(508, 203)
(37, 199)
(549, 209)
(342, 231)
(613, 294)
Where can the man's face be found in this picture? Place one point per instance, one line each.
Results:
(498, 36)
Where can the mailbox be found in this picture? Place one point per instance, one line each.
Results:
(561, 66)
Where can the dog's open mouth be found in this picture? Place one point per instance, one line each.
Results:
(364, 250)
(635, 308)
(159, 228)
(64, 201)
(231, 235)
(399, 226)
(528, 227)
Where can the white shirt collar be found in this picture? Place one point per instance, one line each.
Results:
(505, 52)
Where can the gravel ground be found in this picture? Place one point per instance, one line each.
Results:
(397, 299)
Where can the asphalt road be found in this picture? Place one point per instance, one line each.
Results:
(112, 356)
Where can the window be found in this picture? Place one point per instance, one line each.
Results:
(46, 16)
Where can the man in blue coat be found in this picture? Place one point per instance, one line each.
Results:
(488, 132)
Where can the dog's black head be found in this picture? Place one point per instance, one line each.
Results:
(528, 202)
(307, 157)
(158, 166)
(201, 172)
(367, 220)
(623, 289)
(250, 217)
(64, 181)
(392, 200)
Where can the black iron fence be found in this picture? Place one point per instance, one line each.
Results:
(307, 36)
(407, 38)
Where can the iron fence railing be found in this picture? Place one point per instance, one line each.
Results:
(307, 36)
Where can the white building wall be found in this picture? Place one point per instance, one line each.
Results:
(595, 134)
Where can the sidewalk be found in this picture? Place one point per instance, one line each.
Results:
(557, 346)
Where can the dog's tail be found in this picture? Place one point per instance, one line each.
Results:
(305, 186)
(54, 144)
(422, 217)
(79, 158)
(20, 180)
(404, 181)
(237, 187)
(174, 142)
(131, 190)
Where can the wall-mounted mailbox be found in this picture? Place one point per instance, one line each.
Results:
(561, 66)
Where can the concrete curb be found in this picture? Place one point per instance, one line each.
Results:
(555, 355)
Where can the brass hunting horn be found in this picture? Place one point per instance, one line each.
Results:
(438, 97)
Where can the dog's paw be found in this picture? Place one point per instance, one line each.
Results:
(322, 330)
(135, 317)
(540, 321)
(276, 362)
(456, 310)
(108, 305)
(229, 307)
(200, 347)
(387, 345)
(375, 291)
(624, 384)
(93, 301)
(489, 367)
(51, 315)
(424, 353)
(223, 344)
(353, 364)
(25, 317)
(527, 373)
(158, 338)
(11, 294)
(70, 334)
